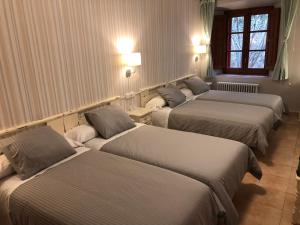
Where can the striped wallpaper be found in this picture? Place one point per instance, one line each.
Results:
(57, 55)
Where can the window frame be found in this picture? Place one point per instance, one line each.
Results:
(247, 13)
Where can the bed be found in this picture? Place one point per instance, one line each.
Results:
(100, 188)
(177, 107)
(244, 123)
(192, 155)
(273, 102)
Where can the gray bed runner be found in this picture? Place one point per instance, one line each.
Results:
(244, 123)
(273, 102)
(193, 155)
(100, 188)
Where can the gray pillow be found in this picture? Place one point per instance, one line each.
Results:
(109, 120)
(172, 95)
(197, 85)
(36, 149)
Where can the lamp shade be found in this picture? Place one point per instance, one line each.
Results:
(134, 59)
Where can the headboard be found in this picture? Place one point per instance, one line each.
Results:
(75, 118)
(147, 94)
(60, 122)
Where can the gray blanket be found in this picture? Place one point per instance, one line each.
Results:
(193, 155)
(100, 188)
(244, 123)
(273, 102)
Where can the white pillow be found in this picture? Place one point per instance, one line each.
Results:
(156, 103)
(6, 168)
(74, 144)
(82, 133)
(187, 92)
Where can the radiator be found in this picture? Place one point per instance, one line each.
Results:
(238, 87)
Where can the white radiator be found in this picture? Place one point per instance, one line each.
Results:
(238, 87)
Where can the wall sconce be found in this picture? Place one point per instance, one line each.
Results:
(198, 47)
(132, 60)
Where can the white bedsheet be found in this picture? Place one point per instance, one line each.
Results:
(160, 117)
(11, 183)
(98, 142)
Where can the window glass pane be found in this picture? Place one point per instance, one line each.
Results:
(256, 60)
(259, 22)
(236, 41)
(258, 41)
(235, 59)
(237, 24)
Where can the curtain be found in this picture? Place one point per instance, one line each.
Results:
(207, 12)
(288, 12)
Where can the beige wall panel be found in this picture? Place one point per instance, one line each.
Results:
(58, 55)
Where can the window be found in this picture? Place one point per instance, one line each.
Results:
(249, 40)
(236, 42)
(258, 41)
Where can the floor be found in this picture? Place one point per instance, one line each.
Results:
(271, 200)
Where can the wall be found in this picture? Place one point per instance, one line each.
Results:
(289, 90)
(57, 55)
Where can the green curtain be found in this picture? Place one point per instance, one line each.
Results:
(288, 12)
(207, 12)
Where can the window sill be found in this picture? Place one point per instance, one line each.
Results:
(244, 76)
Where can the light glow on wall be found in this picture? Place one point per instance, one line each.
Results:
(196, 40)
(125, 45)
(200, 49)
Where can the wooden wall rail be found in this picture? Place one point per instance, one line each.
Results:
(12, 130)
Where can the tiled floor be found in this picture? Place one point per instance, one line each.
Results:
(271, 201)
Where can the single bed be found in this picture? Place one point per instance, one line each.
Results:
(273, 102)
(193, 155)
(244, 123)
(99, 188)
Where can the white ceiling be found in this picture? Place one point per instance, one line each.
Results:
(243, 4)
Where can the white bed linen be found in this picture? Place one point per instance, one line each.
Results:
(9, 184)
(160, 117)
(97, 142)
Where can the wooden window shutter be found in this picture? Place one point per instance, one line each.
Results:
(273, 37)
(218, 41)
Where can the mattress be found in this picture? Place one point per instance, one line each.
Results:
(101, 188)
(273, 102)
(193, 155)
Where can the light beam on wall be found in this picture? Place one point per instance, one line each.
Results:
(125, 45)
(196, 40)
(198, 47)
